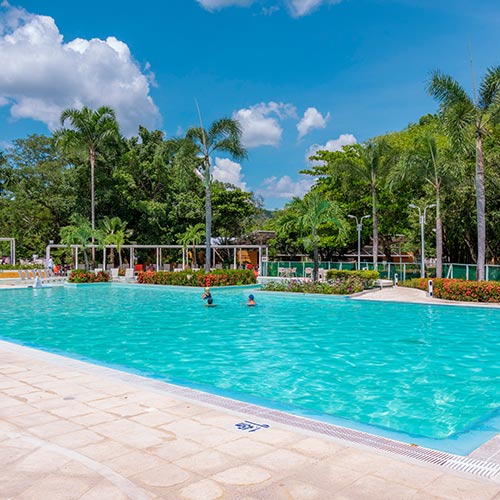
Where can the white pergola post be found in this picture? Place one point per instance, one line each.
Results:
(104, 259)
(131, 261)
(234, 255)
(76, 257)
(157, 260)
(161, 258)
(260, 259)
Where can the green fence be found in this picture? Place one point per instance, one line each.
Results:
(387, 270)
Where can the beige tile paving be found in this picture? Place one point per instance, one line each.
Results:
(67, 433)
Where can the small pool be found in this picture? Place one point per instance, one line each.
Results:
(410, 371)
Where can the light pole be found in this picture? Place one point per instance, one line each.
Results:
(359, 227)
(422, 217)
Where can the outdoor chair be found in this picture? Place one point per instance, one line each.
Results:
(114, 273)
(129, 274)
(308, 272)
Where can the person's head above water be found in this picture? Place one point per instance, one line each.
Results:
(207, 289)
(250, 297)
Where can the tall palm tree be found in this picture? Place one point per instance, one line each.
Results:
(366, 162)
(428, 161)
(308, 214)
(223, 136)
(89, 130)
(192, 236)
(113, 231)
(467, 120)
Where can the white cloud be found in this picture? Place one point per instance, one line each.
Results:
(41, 75)
(284, 187)
(312, 119)
(297, 8)
(260, 123)
(331, 145)
(212, 5)
(226, 170)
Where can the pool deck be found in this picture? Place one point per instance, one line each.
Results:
(72, 430)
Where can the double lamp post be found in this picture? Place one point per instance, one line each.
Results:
(422, 217)
(359, 227)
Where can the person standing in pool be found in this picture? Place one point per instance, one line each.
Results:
(206, 294)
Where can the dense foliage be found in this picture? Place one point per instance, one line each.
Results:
(461, 290)
(147, 188)
(218, 277)
(80, 276)
(345, 285)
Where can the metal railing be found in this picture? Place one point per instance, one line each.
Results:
(387, 270)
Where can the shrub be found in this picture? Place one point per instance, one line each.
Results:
(462, 290)
(368, 277)
(338, 286)
(79, 276)
(12, 267)
(218, 277)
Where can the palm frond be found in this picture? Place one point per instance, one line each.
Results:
(489, 90)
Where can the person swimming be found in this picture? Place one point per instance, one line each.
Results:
(206, 294)
(251, 301)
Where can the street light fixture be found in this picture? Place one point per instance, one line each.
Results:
(359, 227)
(422, 217)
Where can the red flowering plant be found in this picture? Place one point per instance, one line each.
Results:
(80, 276)
(460, 290)
(218, 277)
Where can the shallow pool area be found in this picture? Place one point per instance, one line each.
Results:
(424, 371)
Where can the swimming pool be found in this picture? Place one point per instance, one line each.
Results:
(418, 370)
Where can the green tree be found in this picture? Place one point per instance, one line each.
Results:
(307, 215)
(90, 129)
(78, 232)
(358, 162)
(193, 236)
(223, 136)
(467, 120)
(113, 231)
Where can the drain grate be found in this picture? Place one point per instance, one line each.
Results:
(440, 458)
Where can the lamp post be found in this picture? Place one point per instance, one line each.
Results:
(422, 217)
(359, 227)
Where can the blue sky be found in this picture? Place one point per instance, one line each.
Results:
(299, 74)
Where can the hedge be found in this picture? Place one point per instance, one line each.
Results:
(338, 286)
(217, 277)
(461, 290)
(79, 276)
(342, 273)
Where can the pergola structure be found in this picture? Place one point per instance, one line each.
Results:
(12, 244)
(237, 252)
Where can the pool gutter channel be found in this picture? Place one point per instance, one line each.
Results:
(478, 467)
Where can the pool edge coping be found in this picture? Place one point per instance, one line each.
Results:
(458, 463)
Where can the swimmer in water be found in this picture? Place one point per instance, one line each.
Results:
(210, 303)
(206, 294)
(251, 301)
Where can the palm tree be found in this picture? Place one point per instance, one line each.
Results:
(113, 231)
(79, 233)
(356, 162)
(192, 236)
(468, 120)
(89, 130)
(224, 136)
(429, 162)
(308, 214)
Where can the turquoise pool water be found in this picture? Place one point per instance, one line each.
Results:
(430, 371)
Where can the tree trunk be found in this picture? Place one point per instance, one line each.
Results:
(481, 209)
(92, 197)
(315, 257)
(208, 219)
(375, 228)
(439, 233)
